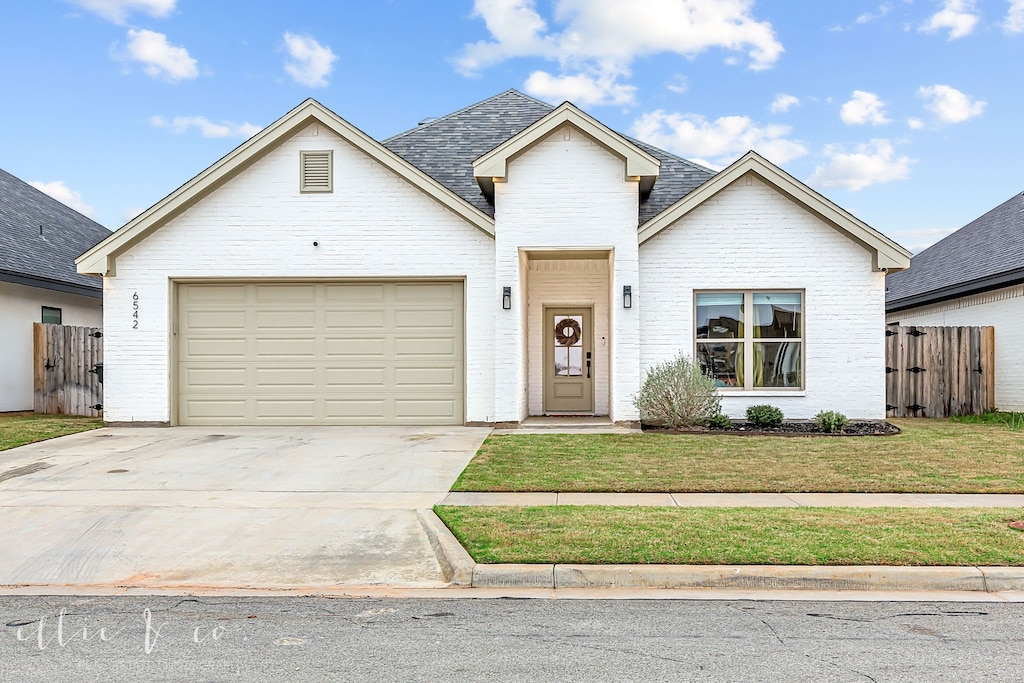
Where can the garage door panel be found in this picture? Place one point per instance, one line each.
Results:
(359, 293)
(270, 348)
(425, 319)
(355, 409)
(354, 347)
(426, 377)
(351, 319)
(279, 293)
(370, 377)
(321, 353)
(278, 319)
(200, 349)
(425, 347)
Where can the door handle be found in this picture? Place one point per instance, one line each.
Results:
(588, 364)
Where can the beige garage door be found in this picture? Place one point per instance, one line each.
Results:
(320, 353)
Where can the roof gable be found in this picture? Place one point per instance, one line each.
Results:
(988, 252)
(40, 238)
(100, 259)
(887, 254)
(493, 166)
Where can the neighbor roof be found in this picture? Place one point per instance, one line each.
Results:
(985, 254)
(445, 149)
(40, 238)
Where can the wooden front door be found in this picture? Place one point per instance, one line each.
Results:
(568, 360)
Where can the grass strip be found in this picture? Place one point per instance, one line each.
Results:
(770, 536)
(18, 429)
(930, 456)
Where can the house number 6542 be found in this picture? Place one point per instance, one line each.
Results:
(135, 311)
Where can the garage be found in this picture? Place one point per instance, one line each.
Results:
(347, 353)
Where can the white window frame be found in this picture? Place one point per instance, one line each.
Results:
(748, 340)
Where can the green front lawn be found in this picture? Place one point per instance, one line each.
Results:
(930, 456)
(18, 429)
(782, 536)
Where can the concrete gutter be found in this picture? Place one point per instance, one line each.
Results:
(462, 571)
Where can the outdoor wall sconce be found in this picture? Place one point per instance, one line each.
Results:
(627, 296)
(506, 298)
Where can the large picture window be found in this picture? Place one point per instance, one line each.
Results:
(751, 340)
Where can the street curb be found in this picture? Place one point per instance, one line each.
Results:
(456, 564)
(756, 577)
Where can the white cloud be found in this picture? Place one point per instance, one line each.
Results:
(870, 164)
(1014, 22)
(310, 63)
(915, 124)
(784, 103)
(678, 84)
(582, 89)
(208, 129)
(65, 195)
(919, 239)
(863, 107)
(601, 38)
(949, 104)
(883, 10)
(720, 141)
(117, 11)
(159, 58)
(959, 16)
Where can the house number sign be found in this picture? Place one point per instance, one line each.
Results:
(135, 311)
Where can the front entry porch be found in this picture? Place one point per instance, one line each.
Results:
(568, 333)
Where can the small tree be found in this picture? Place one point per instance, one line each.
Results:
(677, 394)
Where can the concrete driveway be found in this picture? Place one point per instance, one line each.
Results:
(227, 507)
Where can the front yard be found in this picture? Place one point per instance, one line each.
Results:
(801, 536)
(930, 456)
(18, 429)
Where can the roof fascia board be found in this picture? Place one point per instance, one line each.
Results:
(887, 254)
(100, 259)
(52, 285)
(494, 164)
(935, 296)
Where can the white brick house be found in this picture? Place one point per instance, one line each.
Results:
(510, 259)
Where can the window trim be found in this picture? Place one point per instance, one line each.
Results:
(306, 189)
(748, 388)
(60, 315)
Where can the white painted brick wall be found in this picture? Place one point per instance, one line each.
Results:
(565, 191)
(374, 224)
(1001, 308)
(751, 237)
(568, 283)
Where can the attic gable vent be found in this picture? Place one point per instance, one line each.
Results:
(315, 171)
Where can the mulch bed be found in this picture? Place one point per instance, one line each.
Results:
(791, 428)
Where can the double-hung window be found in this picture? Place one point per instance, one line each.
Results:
(750, 340)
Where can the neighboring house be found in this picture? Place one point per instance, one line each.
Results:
(39, 240)
(973, 277)
(507, 260)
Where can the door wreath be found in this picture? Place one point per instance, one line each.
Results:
(567, 332)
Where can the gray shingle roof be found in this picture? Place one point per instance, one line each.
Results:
(446, 148)
(50, 257)
(986, 253)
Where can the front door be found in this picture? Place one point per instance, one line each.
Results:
(568, 360)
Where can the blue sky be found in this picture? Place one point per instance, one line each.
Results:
(907, 113)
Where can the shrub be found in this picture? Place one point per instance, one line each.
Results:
(677, 394)
(764, 416)
(831, 421)
(719, 421)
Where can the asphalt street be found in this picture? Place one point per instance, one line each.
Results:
(69, 638)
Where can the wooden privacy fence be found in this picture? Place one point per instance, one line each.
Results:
(939, 371)
(68, 370)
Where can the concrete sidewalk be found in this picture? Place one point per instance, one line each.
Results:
(908, 500)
